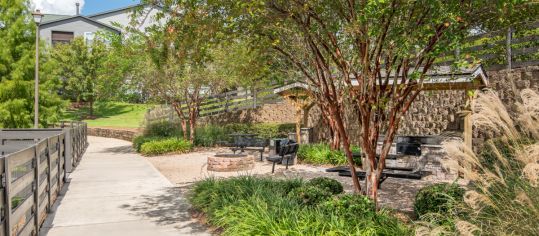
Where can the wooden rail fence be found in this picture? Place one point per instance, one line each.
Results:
(34, 164)
(226, 102)
(503, 49)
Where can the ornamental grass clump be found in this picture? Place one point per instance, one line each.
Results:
(503, 195)
(250, 205)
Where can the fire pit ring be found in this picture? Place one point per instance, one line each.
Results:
(228, 162)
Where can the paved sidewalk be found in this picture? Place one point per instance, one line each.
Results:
(117, 192)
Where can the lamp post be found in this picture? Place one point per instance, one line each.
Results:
(37, 19)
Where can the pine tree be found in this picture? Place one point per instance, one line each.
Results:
(17, 51)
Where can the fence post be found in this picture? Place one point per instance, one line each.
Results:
(37, 156)
(457, 54)
(508, 47)
(254, 98)
(6, 182)
(226, 102)
(49, 183)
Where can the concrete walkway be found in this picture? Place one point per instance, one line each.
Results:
(117, 192)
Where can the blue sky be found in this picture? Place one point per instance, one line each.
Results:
(95, 6)
(67, 7)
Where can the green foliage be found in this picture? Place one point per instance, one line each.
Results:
(351, 205)
(17, 61)
(162, 129)
(328, 184)
(212, 195)
(81, 64)
(310, 195)
(162, 146)
(141, 139)
(210, 135)
(16, 201)
(321, 153)
(259, 206)
(439, 198)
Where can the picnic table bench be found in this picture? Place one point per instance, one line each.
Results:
(287, 151)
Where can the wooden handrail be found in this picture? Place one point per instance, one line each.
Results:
(41, 165)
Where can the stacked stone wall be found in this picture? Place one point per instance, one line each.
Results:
(433, 112)
(126, 135)
(280, 112)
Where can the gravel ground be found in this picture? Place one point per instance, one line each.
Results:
(185, 169)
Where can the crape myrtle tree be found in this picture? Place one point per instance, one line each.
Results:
(180, 53)
(189, 61)
(17, 60)
(385, 47)
(376, 44)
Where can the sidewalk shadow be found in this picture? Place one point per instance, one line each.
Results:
(168, 208)
(119, 149)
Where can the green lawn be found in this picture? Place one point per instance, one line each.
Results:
(111, 114)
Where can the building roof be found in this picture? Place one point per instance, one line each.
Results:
(53, 17)
(448, 78)
(84, 18)
(438, 78)
(116, 10)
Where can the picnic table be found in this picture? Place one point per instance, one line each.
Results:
(248, 142)
(242, 140)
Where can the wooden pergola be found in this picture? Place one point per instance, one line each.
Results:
(439, 78)
(301, 96)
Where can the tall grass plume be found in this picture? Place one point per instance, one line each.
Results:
(503, 195)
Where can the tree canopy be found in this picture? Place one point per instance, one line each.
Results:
(377, 44)
(17, 51)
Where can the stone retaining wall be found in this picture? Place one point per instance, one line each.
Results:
(126, 135)
(281, 112)
(436, 112)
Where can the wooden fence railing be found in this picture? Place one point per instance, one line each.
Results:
(217, 104)
(34, 164)
(503, 49)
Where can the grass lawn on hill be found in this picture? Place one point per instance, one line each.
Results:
(111, 114)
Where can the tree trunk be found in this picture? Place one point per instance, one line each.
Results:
(346, 146)
(91, 107)
(184, 128)
(298, 124)
(192, 126)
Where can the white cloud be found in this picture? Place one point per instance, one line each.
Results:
(63, 7)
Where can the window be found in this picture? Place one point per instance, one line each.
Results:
(61, 37)
(89, 37)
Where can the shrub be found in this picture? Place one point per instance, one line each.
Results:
(210, 135)
(162, 129)
(328, 184)
(210, 195)
(162, 146)
(259, 206)
(309, 195)
(438, 198)
(139, 140)
(321, 153)
(351, 205)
